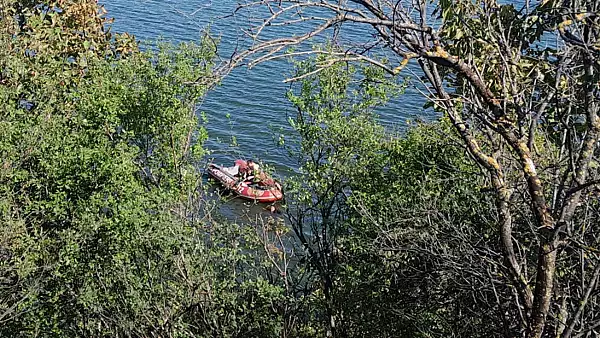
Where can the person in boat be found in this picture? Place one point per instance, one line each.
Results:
(250, 171)
(253, 172)
(246, 170)
(242, 167)
(259, 176)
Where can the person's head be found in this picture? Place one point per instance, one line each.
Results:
(252, 165)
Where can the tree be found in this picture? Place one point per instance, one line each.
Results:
(338, 139)
(391, 225)
(526, 108)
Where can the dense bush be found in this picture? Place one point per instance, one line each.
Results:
(388, 221)
(104, 224)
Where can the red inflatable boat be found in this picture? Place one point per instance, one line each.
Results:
(259, 192)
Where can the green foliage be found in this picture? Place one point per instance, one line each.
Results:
(337, 138)
(380, 214)
(105, 228)
(410, 217)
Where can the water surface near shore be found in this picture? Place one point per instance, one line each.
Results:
(248, 111)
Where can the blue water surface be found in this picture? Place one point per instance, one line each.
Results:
(248, 112)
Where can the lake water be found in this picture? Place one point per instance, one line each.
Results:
(250, 105)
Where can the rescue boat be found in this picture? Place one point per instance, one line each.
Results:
(247, 189)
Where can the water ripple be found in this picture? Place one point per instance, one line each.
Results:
(253, 99)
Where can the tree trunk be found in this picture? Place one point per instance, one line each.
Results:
(546, 266)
